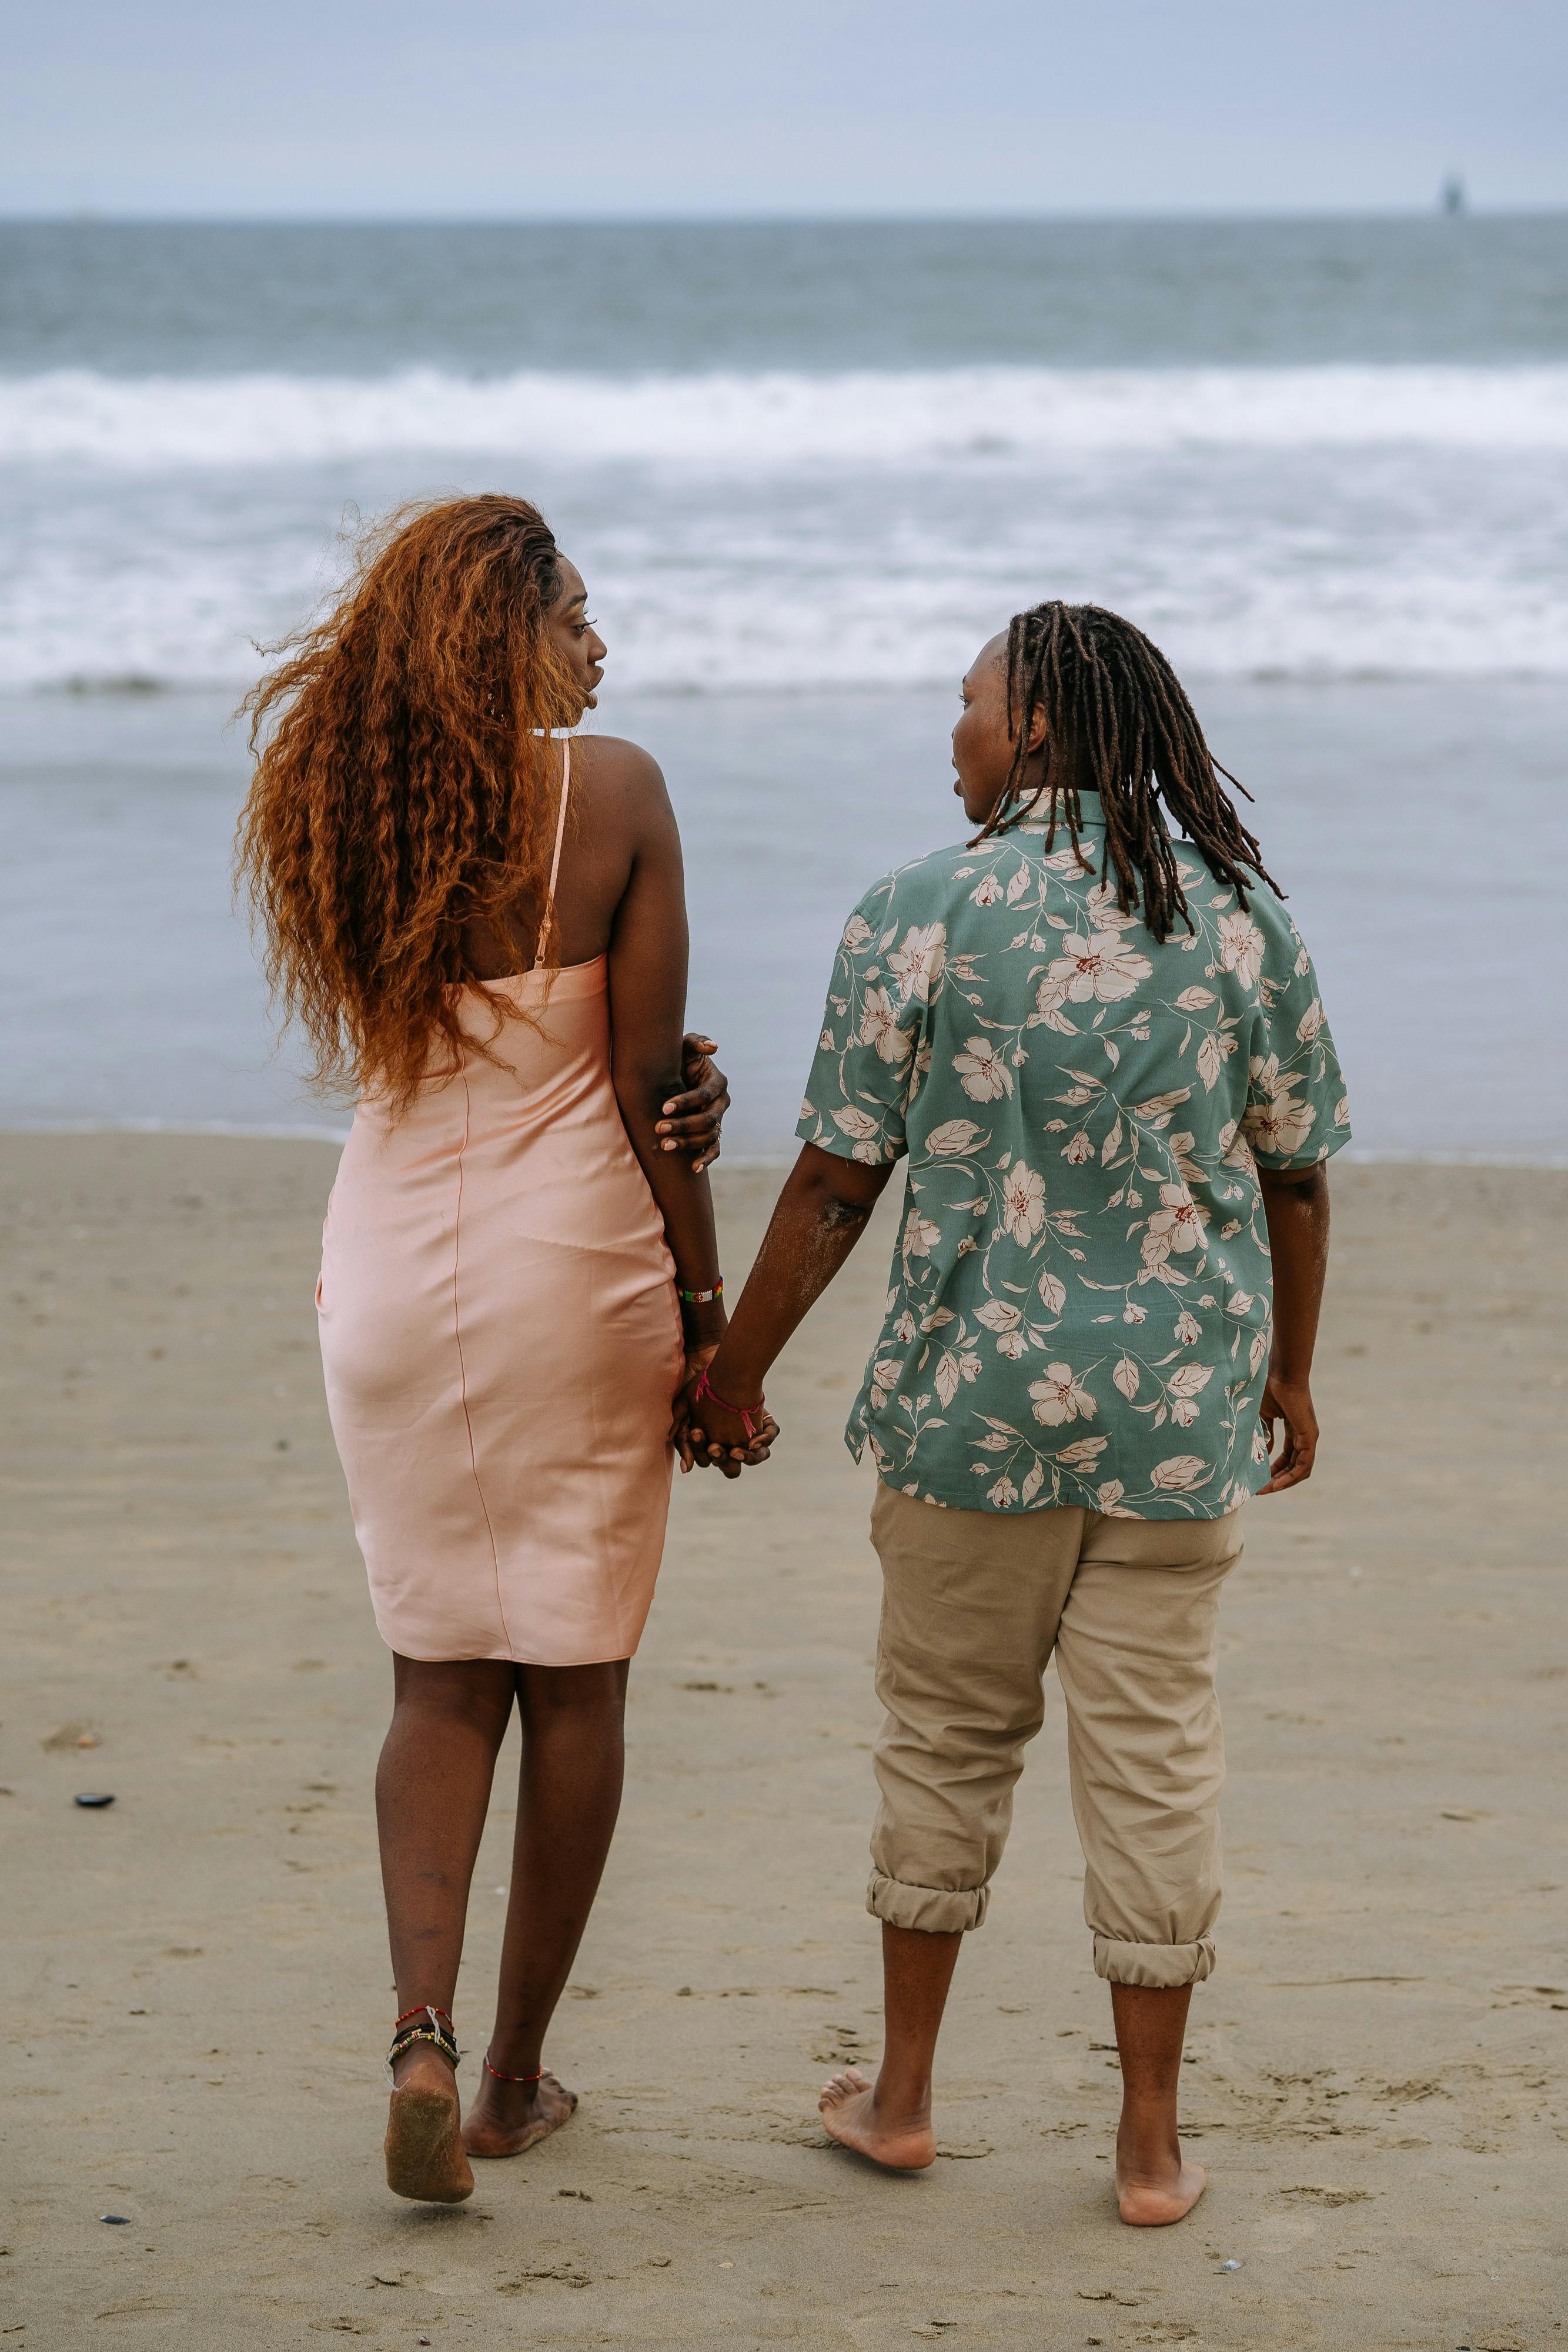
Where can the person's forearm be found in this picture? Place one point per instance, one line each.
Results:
(1298, 1219)
(684, 1199)
(821, 1213)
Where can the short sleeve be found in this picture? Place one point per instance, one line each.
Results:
(1297, 1110)
(868, 1053)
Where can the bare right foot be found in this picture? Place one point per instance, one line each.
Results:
(850, 2114)
(508, 2118)
(1153, 2199)
(423, 2145)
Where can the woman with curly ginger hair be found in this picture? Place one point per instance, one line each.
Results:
(480, 925)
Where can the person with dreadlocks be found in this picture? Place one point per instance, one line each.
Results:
(1097, 1036)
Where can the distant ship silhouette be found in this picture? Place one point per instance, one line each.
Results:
(1451, 195)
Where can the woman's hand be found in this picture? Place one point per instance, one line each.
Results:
(709, 1435)
(692, 1119)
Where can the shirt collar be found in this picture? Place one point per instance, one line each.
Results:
(1089, 813)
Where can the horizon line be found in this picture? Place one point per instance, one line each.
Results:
(104, 216)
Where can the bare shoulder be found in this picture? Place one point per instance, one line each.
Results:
(622, 778)
(623, 789)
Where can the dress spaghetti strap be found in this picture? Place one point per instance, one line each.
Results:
(544, 928)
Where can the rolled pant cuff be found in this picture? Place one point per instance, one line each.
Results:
(1160, 1967)
(935, 1910)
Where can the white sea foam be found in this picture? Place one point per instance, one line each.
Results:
(911, 418)
(793, 531)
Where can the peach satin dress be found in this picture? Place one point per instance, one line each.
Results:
(502, 1343)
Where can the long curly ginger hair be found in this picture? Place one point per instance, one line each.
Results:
(401, 788)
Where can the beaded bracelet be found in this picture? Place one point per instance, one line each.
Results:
(701, 1298)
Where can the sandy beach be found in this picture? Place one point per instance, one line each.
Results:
(196, 1977)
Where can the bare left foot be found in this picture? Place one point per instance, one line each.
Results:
(510, 2117)
(849, 2113)
(423, 2145)
(1152, 2198)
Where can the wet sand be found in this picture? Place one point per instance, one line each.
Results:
(196, 1979)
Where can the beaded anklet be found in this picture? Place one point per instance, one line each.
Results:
(441, 2036)
(528, 2079)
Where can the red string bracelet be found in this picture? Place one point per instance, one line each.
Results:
(704, 1386)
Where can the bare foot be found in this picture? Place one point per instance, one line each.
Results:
(509, 2118)
(424, 2146)
(1152, 2198)
(850, 2114)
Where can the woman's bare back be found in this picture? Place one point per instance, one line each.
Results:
(617, 798)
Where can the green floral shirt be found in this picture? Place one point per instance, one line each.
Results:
(1080, 1303)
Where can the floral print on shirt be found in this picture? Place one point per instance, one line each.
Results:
(1080, 1303)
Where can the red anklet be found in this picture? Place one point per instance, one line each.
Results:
(511, 2078)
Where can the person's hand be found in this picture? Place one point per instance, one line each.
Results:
(709, 1435)
(1290, 1401)
(692, 1119)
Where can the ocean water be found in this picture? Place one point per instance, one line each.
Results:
(1422, 834)
(806, 470)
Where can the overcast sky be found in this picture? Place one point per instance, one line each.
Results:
(502, 108)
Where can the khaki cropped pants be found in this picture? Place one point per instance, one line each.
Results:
(974, 1605)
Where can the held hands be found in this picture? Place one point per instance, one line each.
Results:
(708, 1434)
(692, 1121)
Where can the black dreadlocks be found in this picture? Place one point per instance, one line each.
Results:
(1116, 718)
